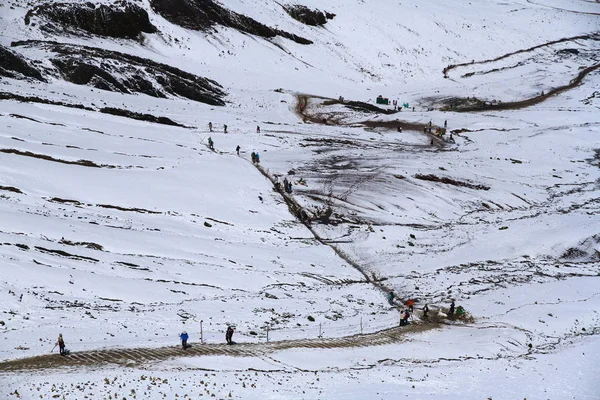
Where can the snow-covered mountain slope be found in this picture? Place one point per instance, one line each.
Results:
(121, 228)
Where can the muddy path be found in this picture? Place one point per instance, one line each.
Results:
(472, 105)
(307, 113)
(479, 105)
(137, 356)
(527, 50)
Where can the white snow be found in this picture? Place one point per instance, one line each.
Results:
(183, 234)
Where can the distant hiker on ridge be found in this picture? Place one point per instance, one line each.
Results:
(229, 335)
(184, 338)
(211, 144)
(210, 126)
(451, 311)
(390, 298)
(224, 128)
(425, 310)
(237, 149)
(257, 129)
(61, 345)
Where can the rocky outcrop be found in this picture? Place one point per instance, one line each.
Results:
(13, 65)
(308, 16)
(119, 72)
(203, 15)
(119, 20)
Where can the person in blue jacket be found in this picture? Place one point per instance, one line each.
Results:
(184, 338)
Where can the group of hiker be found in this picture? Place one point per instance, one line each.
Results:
(453, 311)
(228, 337)
(210, 128)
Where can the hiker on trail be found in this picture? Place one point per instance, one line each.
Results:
(288, 188)
(61, 345)
(237, 149)
(429, 126)
(410, 303)
(184, 338)
(399, 128)
(229, 335)
(257, 129)
(405, 317)
(451, 138)
(413, 109)
(451, 311)
(432, 142)
(210, 126)
(390, 298)
(21, 298)
(224, 128)
(253, 156)
(425, 310)
(445, 123)
(211, 144)
(285, 184)
(257, 158)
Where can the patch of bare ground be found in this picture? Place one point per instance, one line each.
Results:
(336, 118)
(65, 201)
(63, 253)
(89, 245)
(83, 163)
(135, 209)
(450, 181)
(11, 189)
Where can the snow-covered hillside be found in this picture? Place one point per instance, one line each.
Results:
(120, 228)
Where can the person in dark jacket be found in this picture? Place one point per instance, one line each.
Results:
(61, 345)
(229, 335)
(451, 311)
(405, 318)
(237, 149)
(184, 338)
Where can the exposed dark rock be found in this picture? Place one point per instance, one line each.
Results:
(119, 72)
(106, 110)
(139, 116)
(202, 15)
(120, 20)
(13, 65)
(308, 16)
(449, 181)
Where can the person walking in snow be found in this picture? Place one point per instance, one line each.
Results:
(445, 123)
(451, 311)
(61, 345)
(210, 126)
(184, 338)
(257, 129)
(390, 298)
(404, 319)
(229, 335)
(237, 149)
(410, 303)
(257, 158)
(425, 310)
(253, 156)
(224, 128)
(211, 144)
